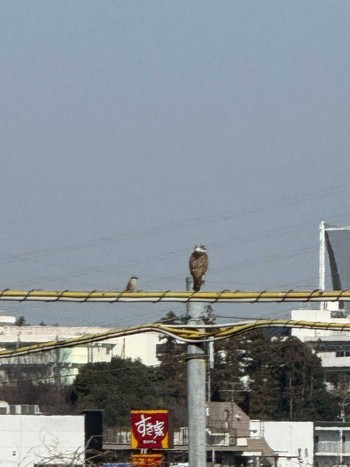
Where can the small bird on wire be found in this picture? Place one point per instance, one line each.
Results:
(198, 266)
(131, 285)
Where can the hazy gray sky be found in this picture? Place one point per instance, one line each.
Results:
(132, 130)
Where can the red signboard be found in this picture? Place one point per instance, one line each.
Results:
(148, 460)
(150, 429)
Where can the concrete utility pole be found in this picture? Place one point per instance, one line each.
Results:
(196, 373)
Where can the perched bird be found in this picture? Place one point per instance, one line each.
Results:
(198, 266)
(131, 286)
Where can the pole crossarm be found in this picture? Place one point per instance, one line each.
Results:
(186, 334)
(175, 296)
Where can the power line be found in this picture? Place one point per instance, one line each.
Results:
(185, 333)
(224, 296)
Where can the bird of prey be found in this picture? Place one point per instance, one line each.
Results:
(198, 266)
(131, 286)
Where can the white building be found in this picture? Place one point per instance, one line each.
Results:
(292, 442)
(332, 444)
(38, 440)
(63, 364)
(333, 347)
(306, 444)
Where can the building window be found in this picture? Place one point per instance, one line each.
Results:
(58, 465)
(342, 353)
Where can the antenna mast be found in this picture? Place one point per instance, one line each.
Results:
(322, 262)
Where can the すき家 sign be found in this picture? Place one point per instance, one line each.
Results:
(150, 429)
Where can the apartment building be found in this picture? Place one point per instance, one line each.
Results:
(62, 365)
(306, 444)
(333, 347)
(332, 444)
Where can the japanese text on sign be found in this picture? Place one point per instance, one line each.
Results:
(150, 429)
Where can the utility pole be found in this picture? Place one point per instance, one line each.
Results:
(196, 373)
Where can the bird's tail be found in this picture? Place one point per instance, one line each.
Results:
(197, 285)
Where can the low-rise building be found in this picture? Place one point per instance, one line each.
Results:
(303, 444)
(291, 442)
(38, 440)
(332, 444)
(333, 347)
(230, 440)
(62, 365)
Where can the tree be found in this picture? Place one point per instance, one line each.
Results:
(303, 393)
(227, 376)
(51, 398)
(20, 321)
(275, 378)
(116, 388)
(340, 386)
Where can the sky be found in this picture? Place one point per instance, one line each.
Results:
(130, 131)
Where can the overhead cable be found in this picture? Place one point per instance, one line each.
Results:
(184, 333)
(227, 296)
